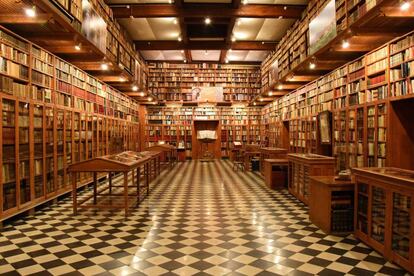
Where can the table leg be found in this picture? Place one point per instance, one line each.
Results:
(110, 183)
(95, 188)
(74, 194)
(126, 193)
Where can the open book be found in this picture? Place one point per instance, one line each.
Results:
(206, 134)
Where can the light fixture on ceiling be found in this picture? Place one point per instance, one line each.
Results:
(270, 93)
(104, 66)
(207, 20)
(149, 99)
(263, 42)
(30, 12)
(170, 1)
(78, 47)
(254, 103)
(180, 39)
(261, 99)
(345, 44)
(280, 87)
(285, 7)
(142, 94)
(122, 79)
(405, 5)
(226, 61)
(185, 61)
(134, 88)
(233, 38)
(182, 51)
(312, 65)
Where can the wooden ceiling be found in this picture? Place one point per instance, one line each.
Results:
(148, 22)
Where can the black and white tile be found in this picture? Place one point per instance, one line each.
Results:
(200, 219)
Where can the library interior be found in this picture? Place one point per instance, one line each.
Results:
(207, 137)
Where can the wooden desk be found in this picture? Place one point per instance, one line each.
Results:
(331, 204)
(125, 162)
(169, 153)
(302, 166)
(248, 156)
(275, 179)
(271, 153)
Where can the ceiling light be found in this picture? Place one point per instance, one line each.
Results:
(207, 20)
(405, 6)
(104, 66)
(185, 61)
(122, 79)
(263, 42)
(30, 12)
(233, 38)
(142, 94)
(280, 87)
(135, 88)
(78, 47)
(345, 44)
(227, 61)
(261, 99)
(254, 103)
(149, 99)
(312, 65)
(182, 51)
(179, 38)
(285, 8)
(270, 93)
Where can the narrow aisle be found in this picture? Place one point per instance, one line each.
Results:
(200, 217)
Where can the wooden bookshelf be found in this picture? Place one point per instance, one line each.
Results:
(53, 114)
(174, 82)
(368, 103)
(383, 212)
(175, 125)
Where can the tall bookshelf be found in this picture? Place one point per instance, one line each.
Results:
(366, 97)
(174, 82)
(53, 114)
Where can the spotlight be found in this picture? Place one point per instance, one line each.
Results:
(78, 47)
(104, 66)
(207, 20)
(122, 79)
(179, 38)
(345, 44)
(280, 87)
(227, 61)
(270, 93)
(312, 65)
(405, 6)
(30, 12)
(135, 88)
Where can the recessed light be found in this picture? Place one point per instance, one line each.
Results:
(134, 88)
(312, 65)
(405, 6)
(142, 94)
(104, 66)
(207, 20)
(345, 44)
(270, 93)
(78, 47)
(280, 87)
(30, 12)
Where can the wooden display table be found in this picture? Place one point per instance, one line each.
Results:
(250, 151)
(302, 166)
(125, 162)
(169, 153)
(331, 204)
(275, 173)
(271, 153)
(384, 212)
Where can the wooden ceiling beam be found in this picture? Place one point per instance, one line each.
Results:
(204, 45)
(203, 10)
(21, 19)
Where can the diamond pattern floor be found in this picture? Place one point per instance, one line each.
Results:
(200, 219)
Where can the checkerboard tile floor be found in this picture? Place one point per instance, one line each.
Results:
(200, 219)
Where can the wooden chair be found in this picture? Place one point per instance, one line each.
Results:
(238, 160)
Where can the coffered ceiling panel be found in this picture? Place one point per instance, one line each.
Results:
(261, 29)
(247, 56)
(165, 28)
(163, 55)
(211, 55)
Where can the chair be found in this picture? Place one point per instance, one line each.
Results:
(238, 160)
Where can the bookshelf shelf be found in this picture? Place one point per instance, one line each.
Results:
(58, 115)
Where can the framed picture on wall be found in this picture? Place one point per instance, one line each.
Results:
(325, 132)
